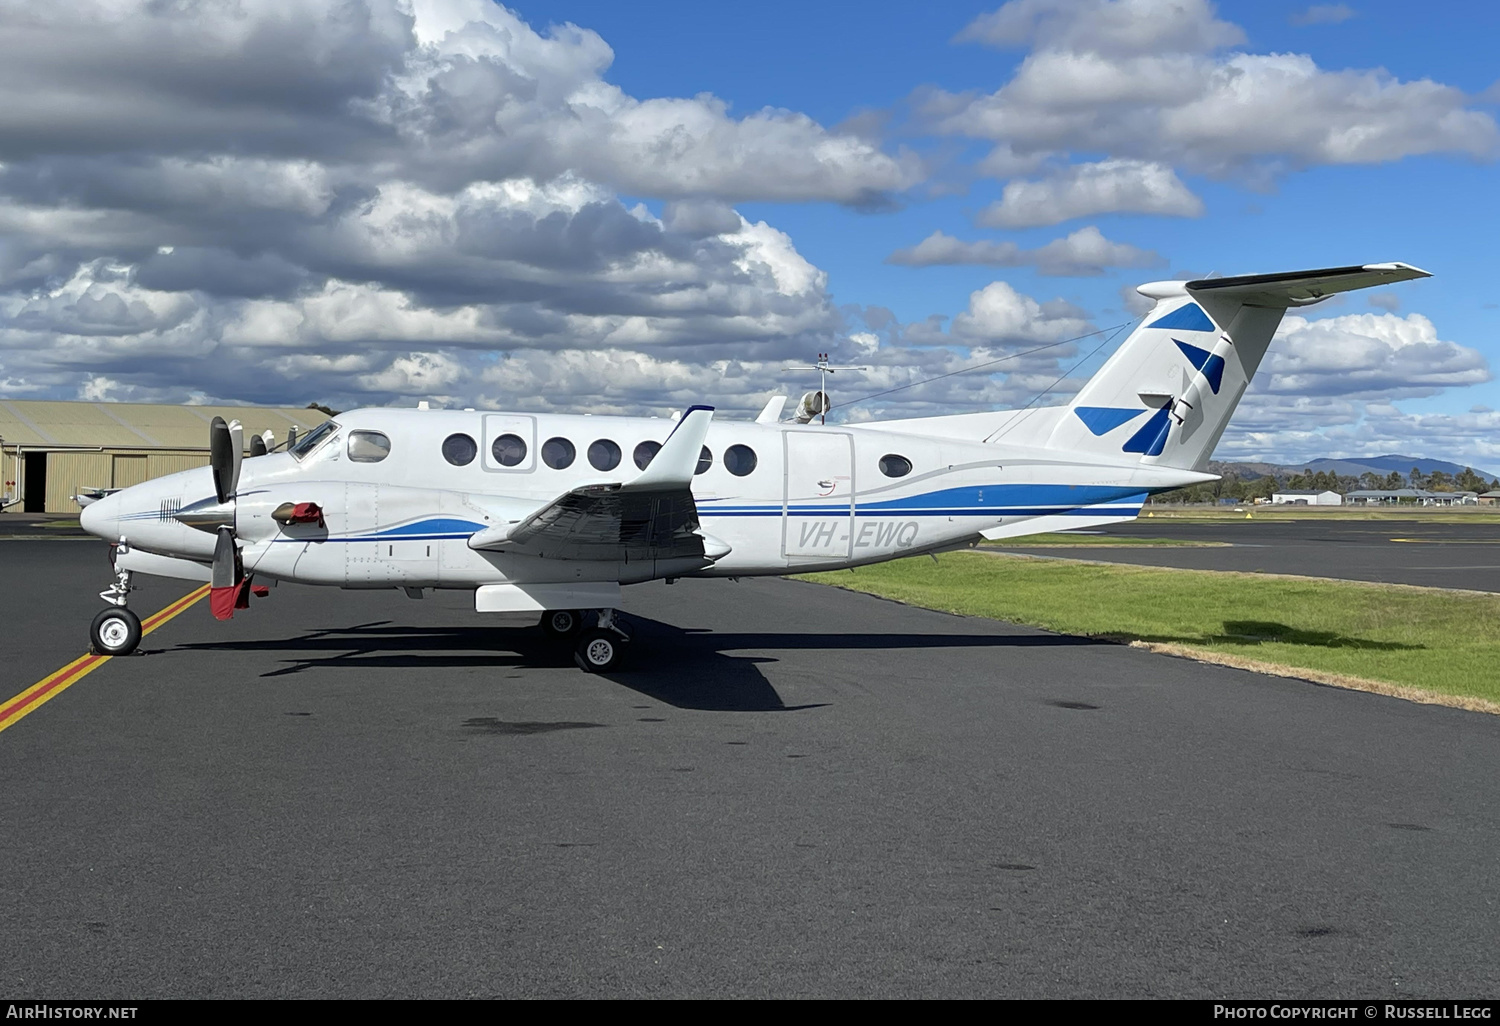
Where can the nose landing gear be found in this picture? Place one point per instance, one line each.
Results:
(117, 594)
(116, 631)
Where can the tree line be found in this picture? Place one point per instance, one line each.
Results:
(1248, 489)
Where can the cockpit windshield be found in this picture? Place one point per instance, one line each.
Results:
(314, 438)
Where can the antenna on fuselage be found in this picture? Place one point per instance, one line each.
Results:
(821, 403)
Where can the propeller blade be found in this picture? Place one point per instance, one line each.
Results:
(257, 446)
(221, 458)
(223, 573)
(224, 582)
(237, 442)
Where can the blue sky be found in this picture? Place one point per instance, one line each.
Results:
(595, 206)
(1440, 213)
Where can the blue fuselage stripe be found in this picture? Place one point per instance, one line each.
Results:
(989, 501)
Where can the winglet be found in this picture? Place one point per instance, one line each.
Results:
(673, 465)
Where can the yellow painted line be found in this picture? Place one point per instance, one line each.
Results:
(55, 683)
(1448, 541)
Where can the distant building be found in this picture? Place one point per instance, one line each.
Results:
(1488, 498)
(1412, 497)
(49, 451)
(1308, 497)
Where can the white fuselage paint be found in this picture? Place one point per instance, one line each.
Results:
(817, 499)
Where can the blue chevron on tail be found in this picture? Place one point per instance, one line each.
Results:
(1166, 395)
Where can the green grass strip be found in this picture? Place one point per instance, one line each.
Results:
(1441, 642)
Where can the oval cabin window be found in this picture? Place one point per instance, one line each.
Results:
(705, 460)
(460, 450)
(558, 453)
(508, 450)
(368, 446)
(604, 455)
(740, 460)
(645, 453)
(895, 466)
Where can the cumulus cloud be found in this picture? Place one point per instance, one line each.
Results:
(370, 199)
(1328, 388)
(1083, 190)
(1367, 355)
(998, 313)
(444, 91)
(1145, 80)
(1283, 429)
(1323, 14)
(1083, 253)
(1104, 26)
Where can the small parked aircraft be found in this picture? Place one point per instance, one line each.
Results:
(88, 494)
(551, 514)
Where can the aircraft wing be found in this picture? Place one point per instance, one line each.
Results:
(652, 517)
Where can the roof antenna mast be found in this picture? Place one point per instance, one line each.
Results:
(824, 368)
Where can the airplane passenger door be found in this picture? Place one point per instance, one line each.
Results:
(817, 512)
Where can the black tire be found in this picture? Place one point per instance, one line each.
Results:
(115, 632)
(562, 623)
(599, 651)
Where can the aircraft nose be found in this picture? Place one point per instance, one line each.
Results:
(102, 517)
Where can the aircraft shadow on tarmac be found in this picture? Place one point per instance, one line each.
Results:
(686, 668)
(1255, 632)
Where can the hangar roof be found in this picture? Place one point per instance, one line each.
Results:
(41, 423)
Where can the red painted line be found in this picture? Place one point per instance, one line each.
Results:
(156, 618)
(52, 683)
(26, 702)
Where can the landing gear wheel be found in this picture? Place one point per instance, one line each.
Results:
(599, 650)
(561, 623)
(115, 632)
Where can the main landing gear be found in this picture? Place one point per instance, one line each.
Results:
(562, 623)
(598, 649)
(116, 631)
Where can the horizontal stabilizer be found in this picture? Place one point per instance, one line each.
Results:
(1299, 288)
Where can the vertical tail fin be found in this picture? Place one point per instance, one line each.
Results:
(1168, 392)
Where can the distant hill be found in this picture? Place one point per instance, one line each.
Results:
(1385, 464)
(1347, 467)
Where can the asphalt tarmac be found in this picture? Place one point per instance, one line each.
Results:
(796, 791)
(1453, 554)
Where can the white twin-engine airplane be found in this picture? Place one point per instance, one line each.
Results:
(551, 514)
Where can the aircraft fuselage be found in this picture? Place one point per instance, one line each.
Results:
(784, 498)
